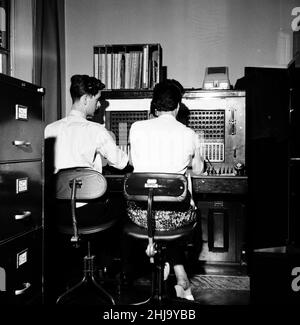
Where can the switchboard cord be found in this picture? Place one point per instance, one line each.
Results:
(212, 167)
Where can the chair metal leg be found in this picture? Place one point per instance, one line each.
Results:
(158, 284)
(153, 288)
(61, 298)
(102, 289)
(88, 277)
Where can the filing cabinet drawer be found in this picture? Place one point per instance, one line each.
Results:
(21, 269)
(21, 197)
(21, 127)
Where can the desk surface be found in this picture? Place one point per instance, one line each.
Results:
(201, 184)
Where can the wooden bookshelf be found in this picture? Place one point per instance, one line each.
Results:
(128, 66)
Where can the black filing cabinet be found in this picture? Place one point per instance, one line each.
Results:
(21, 191)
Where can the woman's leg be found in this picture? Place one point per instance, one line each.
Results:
(176, 258)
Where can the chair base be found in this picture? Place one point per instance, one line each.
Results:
(159, 296)
(167, 301)
(160, 293)
(155, 300)
(87, 282)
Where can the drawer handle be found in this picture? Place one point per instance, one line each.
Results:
(25, 214)
(21, 143)
(26, 285)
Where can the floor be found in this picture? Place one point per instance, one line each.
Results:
(140, 290)
(221, 284)
(67, 269)
(270, 283)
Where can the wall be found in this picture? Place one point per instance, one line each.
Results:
(194, 34)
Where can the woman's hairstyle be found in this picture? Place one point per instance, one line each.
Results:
(84, 84)
(167, 95)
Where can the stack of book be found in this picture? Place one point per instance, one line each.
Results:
(128, 66)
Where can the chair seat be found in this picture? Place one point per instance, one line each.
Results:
(87, 230)
(91, 218)
(135, 231)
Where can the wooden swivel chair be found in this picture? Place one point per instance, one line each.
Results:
(87, 186)
(152, 188)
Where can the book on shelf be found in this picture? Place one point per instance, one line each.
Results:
(96, 64)
(154, 68)
(102, 67)
(114, 70)
(128, 62)
(146, 66)
(108, 72)
(135, 75)
(131, 66)
(140, 70)
(122, 70)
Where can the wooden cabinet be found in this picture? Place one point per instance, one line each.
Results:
(223, 230)
(21, 191)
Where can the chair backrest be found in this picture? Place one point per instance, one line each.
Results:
(166, 187)
(90, 184)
